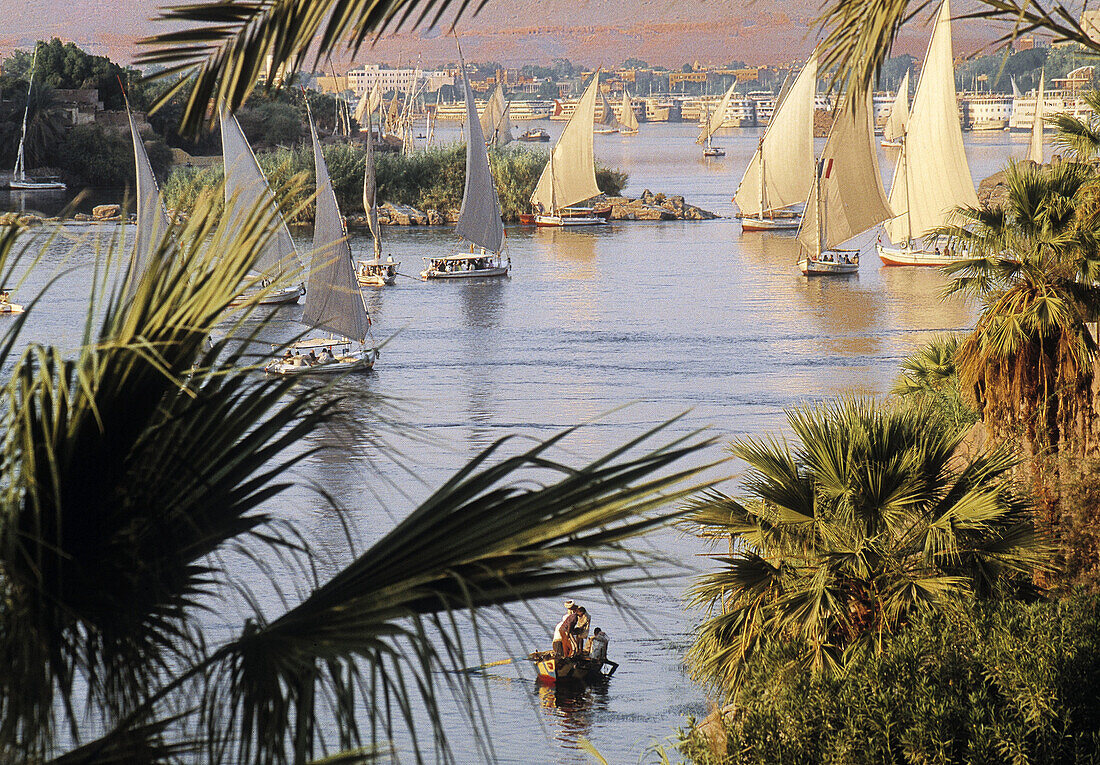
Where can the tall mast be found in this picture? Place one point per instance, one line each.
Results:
(20, 164)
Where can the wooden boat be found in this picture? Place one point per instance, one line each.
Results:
(554, 669)
(373, 273)
(712, 122)
(479, 221)
(569, 178)
(846, 197)
(246, 189)
(628, 120)
(496, 127)
(20, 181)
(534, 135)
(6, 306)
(333, 300)
(781, 171)
(932, 177)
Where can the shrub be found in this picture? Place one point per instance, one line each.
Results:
(992, 683)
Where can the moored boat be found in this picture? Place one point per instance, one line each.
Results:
(712, 122)
(552, 668)
(534, 135)
(20, 181)
(6, 306)
(373, 273)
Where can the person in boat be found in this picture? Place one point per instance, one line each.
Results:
(326, 356)
(563, 633)
(312, 358)
(5, 297)
(580, 631)
(288, 356)
(597, 650)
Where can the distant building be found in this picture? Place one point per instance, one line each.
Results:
(363, 79)
(678, 77)
(1078, 79)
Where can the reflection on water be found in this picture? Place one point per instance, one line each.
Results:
(571, 709)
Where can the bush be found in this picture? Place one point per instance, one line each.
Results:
(432, 179)
(1005, 682)
(94, 156)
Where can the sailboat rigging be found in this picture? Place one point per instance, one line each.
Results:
(479, 221)
(374, 273)
(333, 301)
(713, 122)
(20, 181)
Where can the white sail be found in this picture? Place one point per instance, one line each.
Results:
(608, 117)
(495, 125)
(1035, 147)
(570, 175)
(932, 176)
(479, 221)
(370, 191)
(848, 197)
(628, 119)
(368, 103)
(780, 173)
(717, 117)
(20, 173)
(246, 189)
(152, 221)
(898, 121)
(333, 300)
(1015, 88)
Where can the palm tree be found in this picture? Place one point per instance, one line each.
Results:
(871, 517)
(1079, 138)
(1035, 265)
(133, 467)
(930, 377)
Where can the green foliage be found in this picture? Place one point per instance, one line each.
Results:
(45, 127)
(64, 65)
(989, 684)
(432, 179)
(96, 156)
(930, 379)
(136, 467)
(870, 519)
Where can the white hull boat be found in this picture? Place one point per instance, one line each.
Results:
(374, 273)
(308, 357)
(830, 263)
(909, 256)
(280, 296)
(785, 222)
(562, 221)
(33, 185)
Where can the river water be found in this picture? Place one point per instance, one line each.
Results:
(665, 318)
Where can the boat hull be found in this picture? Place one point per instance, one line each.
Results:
(371, 273)
(476, 273)
(554, 669)
(275, 297)
(36, 185)
(714, 151)
(836, 263)
(776, 223)
(906, 256)
(577, 216)
(10, 308)
(347, 360)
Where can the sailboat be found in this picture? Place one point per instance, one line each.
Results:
(712, 122)
(333, 301)
(607, 119)
(932, 177)
(152, 220)
(846, 197)
(479, 220)
(374, 273)
(570, 175)
(628, 121)
(19, 180)
(495, 125)
(898, 121)
(1035, 145)
(245, 189)
(780, 173)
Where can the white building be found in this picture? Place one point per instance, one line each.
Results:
(363, 79)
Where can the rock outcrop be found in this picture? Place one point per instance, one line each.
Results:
(106, 212)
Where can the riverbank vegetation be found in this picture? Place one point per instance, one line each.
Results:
(432, 179)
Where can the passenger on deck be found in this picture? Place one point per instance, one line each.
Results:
(563, 634)
(580, 631)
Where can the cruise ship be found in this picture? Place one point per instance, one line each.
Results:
(518, 111)
(986, 111)
(741, 112)
(1054, 102)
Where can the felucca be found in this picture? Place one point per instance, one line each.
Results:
(932, 177)
(479, 220)
(898, 121)
(570, 176)
(628, 121)
(495, 125)
(333, 301)
(1035, 146)
(607, 118)
(846, 195)
(152, 220)
(712, 122)
(780, 173)
(374, 273)
(19, 180)
(245, 190)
